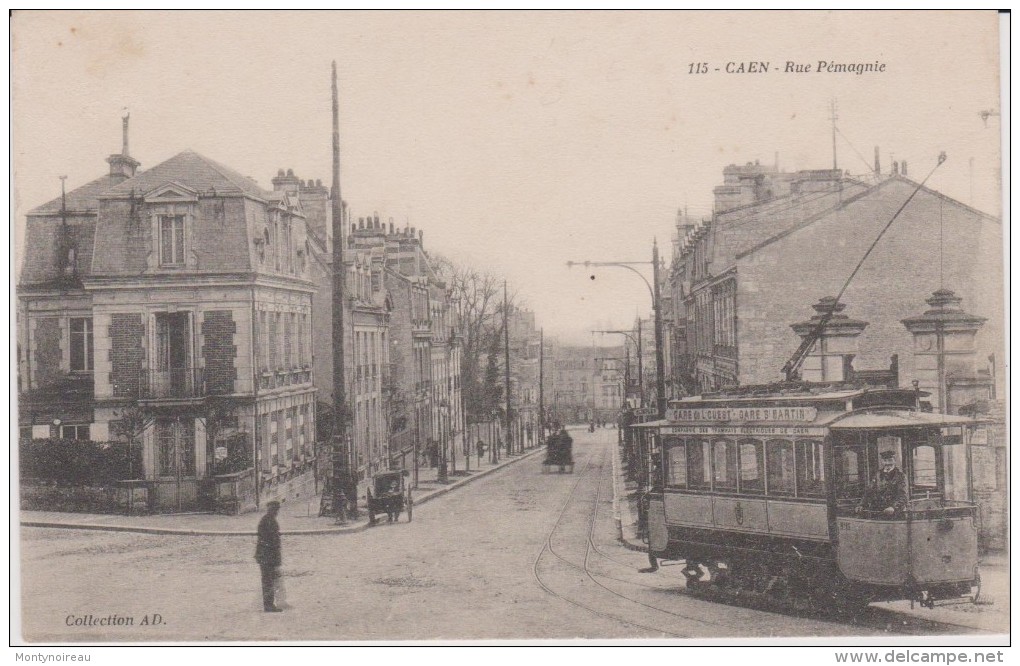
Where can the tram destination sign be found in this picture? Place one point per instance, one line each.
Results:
(743, 414)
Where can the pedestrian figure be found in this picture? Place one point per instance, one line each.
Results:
(393, 514)
(480, 448)
(268, 555)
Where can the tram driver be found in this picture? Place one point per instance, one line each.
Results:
(888, 492)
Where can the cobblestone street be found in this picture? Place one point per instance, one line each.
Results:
(519, 554)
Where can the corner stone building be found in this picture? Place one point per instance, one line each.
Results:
(172, 307)
(779, 242)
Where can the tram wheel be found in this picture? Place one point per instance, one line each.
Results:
(718, 574)
(692, 572)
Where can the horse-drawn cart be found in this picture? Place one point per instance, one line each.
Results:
(389, 494)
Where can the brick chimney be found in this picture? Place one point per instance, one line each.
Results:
(123, 166)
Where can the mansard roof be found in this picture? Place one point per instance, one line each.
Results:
(194, 171)
(82, 199)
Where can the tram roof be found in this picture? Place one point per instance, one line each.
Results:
(799, 395)
(871, 419)
(887, 418)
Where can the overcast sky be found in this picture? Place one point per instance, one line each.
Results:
(517, 141)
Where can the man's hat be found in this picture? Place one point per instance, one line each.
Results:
(888, 455)
(272, 503)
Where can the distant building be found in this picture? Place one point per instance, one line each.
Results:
(524, 376)
(583, 383)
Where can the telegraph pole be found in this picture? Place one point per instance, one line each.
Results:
(660, 363)
(342, 479)
(640, 366)
(506, 374)
(541, 385)
(833, 117)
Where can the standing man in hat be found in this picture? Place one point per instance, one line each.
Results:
(267, 554)
(888, 493)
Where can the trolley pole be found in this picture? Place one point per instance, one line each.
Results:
(541, 386)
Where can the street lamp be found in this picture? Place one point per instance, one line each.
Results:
(640, 361)
(494, 455)
(653, 291)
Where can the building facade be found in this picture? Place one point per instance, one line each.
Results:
(585, 383)
(176, 303)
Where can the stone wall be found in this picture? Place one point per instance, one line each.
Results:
(778, 283)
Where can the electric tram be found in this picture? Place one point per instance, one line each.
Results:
(769, 490)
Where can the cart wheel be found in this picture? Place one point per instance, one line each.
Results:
(410, 508)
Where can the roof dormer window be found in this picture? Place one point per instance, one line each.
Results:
(171, 240)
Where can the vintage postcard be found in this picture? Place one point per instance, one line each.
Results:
(509, 326)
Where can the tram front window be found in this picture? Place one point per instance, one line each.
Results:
(923, 468)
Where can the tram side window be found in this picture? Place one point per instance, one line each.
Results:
(850, 471)
(699, 464)
(752, 466)
(779, 454)
(677, 472)
(924, 465)
(810, 468)
(725, 464)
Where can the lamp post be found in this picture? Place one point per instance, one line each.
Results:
(653, 292)
(640, 364)
(493, 449)
(444, 427)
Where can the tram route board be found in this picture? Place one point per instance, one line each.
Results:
(795, 430)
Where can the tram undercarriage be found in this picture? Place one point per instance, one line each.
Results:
(791, 571)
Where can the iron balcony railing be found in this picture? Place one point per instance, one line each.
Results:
(188, 383)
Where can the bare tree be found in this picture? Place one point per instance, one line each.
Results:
(480, 294)
(130, 426)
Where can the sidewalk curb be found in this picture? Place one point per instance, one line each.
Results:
(100, 527)
(468, 479)
(617, 514)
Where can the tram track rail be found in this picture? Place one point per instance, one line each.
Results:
(882, 620)
(547, 546)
